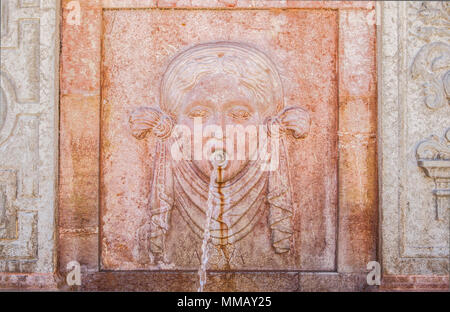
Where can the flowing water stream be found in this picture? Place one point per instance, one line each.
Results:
(219, 161)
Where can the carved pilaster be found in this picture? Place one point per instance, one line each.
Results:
(414, 103)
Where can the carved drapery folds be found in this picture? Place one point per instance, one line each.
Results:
(292, 120)
(433, 156)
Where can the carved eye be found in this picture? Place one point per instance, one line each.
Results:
(198, 112)
(240, 114)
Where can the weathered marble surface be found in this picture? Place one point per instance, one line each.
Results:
(414, 60)
(28, 139)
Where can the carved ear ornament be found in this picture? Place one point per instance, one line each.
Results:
(291, 120)
(153, 120)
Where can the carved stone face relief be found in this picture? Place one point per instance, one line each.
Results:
(222, 84)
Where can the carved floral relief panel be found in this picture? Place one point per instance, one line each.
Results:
(414, 118)
(427, 111)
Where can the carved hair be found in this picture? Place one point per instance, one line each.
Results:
(253, 69)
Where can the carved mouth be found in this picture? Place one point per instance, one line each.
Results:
(219, 158)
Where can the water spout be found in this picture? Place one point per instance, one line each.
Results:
(219, 161)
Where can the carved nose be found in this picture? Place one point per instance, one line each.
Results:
(220, 120)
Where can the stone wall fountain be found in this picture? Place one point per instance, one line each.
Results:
(132, 212)
(370, 181)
